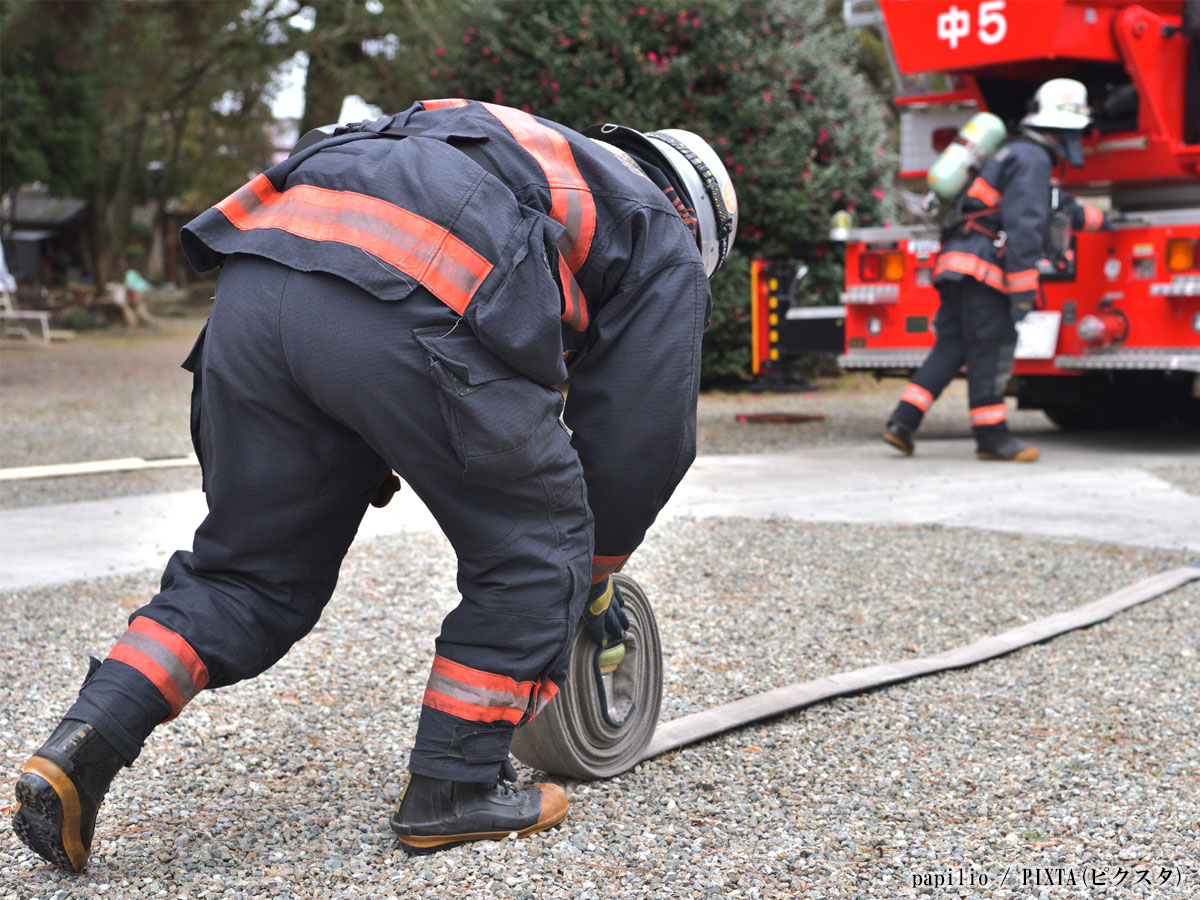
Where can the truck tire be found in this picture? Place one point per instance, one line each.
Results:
(1077, 416)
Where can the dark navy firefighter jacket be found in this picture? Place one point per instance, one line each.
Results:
(552, 251)
(1001, 234)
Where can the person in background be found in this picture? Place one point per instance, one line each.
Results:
(986, 271)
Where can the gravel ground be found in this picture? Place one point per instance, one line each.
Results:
(1074, 759)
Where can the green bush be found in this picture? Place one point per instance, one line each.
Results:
(77, 318)
(772, 84)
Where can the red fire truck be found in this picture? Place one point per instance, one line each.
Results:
(1116, 338)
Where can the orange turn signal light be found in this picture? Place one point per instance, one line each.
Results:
(893, 266)
(881, 266)
(1181, 254)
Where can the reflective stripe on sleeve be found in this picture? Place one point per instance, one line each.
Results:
(603, 566)
(916, 395)
(163, 657)
(448, 103)
(989, 415)
(450, 269)
(1019, 282)
(571, 201)
(983, 192)
(1093, 218)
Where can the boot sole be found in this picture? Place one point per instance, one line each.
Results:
(48, 815)
(420, 844)
(1029, 454)
(906, 449)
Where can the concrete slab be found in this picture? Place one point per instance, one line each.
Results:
(1076, 494)
(1110, 502)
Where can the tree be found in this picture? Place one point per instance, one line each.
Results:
(94, 92)
(380, 50)
(772, 84)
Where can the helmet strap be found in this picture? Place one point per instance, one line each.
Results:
(724, 217)
(669, 185)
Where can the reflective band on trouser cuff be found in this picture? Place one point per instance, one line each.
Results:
(571, 202)
(1020, 282)
(989, 415)
(983, 192)
(448, 267)
(477, 696)
(969, 264)
(165, 658)
(603, 566)
(917, 396)
(1093, 218)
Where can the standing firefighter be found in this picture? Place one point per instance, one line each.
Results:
(405, 296)
(986, 272)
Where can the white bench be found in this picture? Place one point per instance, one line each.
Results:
(10, 319)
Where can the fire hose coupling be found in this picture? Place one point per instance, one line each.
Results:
(1106, 326)
(604, 667)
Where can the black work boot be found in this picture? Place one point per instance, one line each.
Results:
(1007, 449)
(60, 790)
(899, 436)
(435, 814)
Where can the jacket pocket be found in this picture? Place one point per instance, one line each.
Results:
(195, 364)
(492, 412)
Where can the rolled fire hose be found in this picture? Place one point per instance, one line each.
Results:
(571, 737)
(605, 715)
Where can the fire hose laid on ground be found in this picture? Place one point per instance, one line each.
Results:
(605, 719)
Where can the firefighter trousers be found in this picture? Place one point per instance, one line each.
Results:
(974, 328)
(308, 393)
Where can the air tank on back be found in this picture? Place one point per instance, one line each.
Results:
(974, 143)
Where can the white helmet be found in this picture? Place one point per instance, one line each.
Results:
(698, 170)
(1060, 103)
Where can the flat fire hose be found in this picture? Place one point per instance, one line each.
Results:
(572, 744)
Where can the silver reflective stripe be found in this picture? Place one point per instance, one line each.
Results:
(476, 695)
(165, 658)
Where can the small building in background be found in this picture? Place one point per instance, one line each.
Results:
(45, 241)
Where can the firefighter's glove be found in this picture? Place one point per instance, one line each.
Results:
(386, 490)
(605, 620)
(1022, 304)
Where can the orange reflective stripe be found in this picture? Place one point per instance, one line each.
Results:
(152, 670)
(969, 264)
(983, 192)
(544, 693)
(165, 658)
(917, 396)
(989, 415)
(178, 647)
(575, 307)
(476, 695)
(1093, 218)
(451, 103)
(603, 566)
(443, 263)
(571, 201)
(1025, 280)
(472, 712)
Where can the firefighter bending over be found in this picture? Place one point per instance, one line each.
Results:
(986, 272)
(404, 296)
